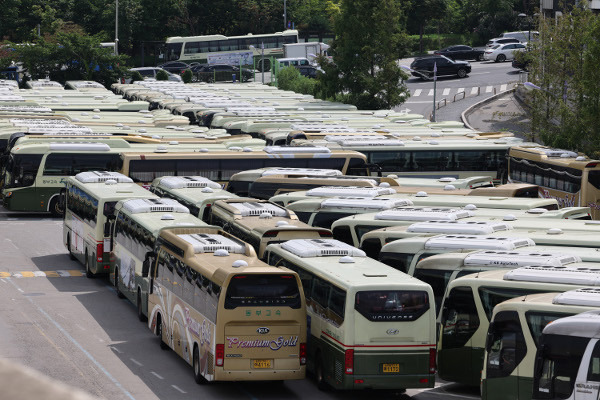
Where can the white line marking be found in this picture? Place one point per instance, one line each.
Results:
(80, 327)
(139, 364)
(20, 290)
(11, 242)
(178, 389)
(503, 88)
(39, 274)
(430, 92)
(488, 89)
(460, 90)
(156, 375)
(417, 92)
(446, 92)
(474, 90)
(100, 340)
(63, 273)
(418, 102)
(117, 350)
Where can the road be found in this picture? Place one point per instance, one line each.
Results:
(76, 330)
(486, 79)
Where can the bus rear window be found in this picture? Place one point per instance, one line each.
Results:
(255, 290)
(391, 305)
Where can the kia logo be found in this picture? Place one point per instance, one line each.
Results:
(392, 331)
(263, 330)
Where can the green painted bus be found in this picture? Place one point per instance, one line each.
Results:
(370, 326)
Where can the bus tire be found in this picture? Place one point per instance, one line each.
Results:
(140, 310)
(71, 255)
(54, 208)
(88, 272)
(198, 377)
(119, 293)
(320, 374)
(159, 329)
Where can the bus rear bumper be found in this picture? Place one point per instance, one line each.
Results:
(390, 381)
(257, 375)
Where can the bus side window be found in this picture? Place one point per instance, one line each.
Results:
(200, 295)
(188, 285)
(320, 294)
(167, 272)
(178, 279)
(594, 367)
(336, 305)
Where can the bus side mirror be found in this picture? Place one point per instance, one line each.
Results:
(489, 338)
(62, 201)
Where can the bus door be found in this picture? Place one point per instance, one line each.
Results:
(587, 384)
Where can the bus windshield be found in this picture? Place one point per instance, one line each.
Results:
(262, 290)
(391, 305)
(173, 51)
(21, 170)
(558, 365)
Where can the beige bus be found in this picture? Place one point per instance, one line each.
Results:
(260, 223)
(226, 313)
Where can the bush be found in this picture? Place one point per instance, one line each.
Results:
(289, 78)
(187, 76)
(136, 76)
(162, 75)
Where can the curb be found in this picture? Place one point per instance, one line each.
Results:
(465, 114)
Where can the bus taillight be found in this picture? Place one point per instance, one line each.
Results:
(325, 234)
(349, 362)
(432, 354)
(99, 252)
(219, 355)
(302, 354)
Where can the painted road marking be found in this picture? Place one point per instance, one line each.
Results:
(488, 89)
(460, 90)
(446, 92)
(418, 92)
(133, 360)
(502, 88)
(430, 92)
(178, 389)
(474, 90)
(156, 375)
(42, 274)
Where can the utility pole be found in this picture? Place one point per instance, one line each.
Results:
(116, 27)
(284, 15)
(434, 84)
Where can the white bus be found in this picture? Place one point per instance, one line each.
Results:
(136, 225)
(226, 313)
(469, 303)
(369, 325)
(514, 336)
(90, 198)
(567, 364)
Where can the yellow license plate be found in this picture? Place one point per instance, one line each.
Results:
(391, 368)
(261, 363)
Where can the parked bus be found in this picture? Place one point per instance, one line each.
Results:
(572, 179)
(259, 222)
(351, 300)
(469, 302)
(90, 198)
(230, 49)
(514, 336)
(136, 225)
(568, 359)
(225, 312)
(197, 193)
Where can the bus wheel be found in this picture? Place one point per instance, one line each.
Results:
(119, 293)
(88, 272)
(71, 255)
(198, 377)
(320, 374)
(54, 208)
(159, 330)
(140, 311)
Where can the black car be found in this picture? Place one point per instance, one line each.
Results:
(520, 64)
(222, 72)
(307, 70)
(461, 52)
(423, 67)
(175, 67)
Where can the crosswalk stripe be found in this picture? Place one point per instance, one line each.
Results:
(488, 89)
(42, 274)
(474, 90)
(430, 92)
(4, 274)
(418, 92)
(52, 274)
(460, 90)
(39, 274)
(446, 92)
(503, 88)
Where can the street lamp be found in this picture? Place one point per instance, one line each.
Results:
(284, 15)
(116, 27)
(523, 15)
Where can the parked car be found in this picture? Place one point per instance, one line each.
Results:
(150, 73)
(308, 70)
(222, 72)
(522, 65)
(175, 67)
(503, 52)
(461, 52)
(503, 40)
(423, 67)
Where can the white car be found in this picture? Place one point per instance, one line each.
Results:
(503, 52)
(150, 73)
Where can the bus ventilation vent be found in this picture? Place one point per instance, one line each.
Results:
(79, 146)
(321, 248)
(477, 242)
(137, 206)
(423, 214)
(302, 172)
(182, 182)
(295, 150)
(255, 209)
(458, 227)
(342, 138)
(360, 143)
(367, 203)
(579, 297)
(209, 243)
(514, 259)
(351, 191)
(583, 274)
(102, 176)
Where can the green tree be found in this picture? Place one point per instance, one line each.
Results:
(422, 11)
(565, 109)
(364, 71)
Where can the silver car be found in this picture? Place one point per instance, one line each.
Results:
(150, 73)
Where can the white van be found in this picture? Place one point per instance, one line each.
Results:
(522, 36)
(294, 62)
